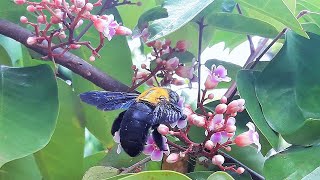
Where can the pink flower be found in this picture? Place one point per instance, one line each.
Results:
(172, 158)
(249, 137)
(185, 71)
(106, 25)
(219, 137)
(216, 75)
(122, 30)
(116, 139)
(153, 150)
(216, 122)
(182, 123)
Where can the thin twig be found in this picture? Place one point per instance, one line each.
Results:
(136, 165)
(201, 28)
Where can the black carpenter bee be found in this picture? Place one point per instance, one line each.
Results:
(143, 111)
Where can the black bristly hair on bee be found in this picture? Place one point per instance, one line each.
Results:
(142, 112)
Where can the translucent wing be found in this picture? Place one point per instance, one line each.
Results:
(107, 100)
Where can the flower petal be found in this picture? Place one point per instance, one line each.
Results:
(119, 149)
(182, 124)
(116, 137)
(156, 155)
(251, 126)
(148, 149)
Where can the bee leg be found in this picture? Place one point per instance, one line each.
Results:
(116, 123)
(157, 137)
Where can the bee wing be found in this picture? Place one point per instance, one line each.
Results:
(167, 113)
(107, 100)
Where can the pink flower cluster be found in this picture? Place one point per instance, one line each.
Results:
(69, 16)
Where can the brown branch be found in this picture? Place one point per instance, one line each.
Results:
(68, 60)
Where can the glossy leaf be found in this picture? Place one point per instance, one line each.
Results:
(117, 177)
(13, 49)
(177, 16)
(93, 160)
(157, 175)
(241, 24)
(220, 175)
(32, 92)
(233, 40)
(199, 175)
(100, 172)
(294, 163)
(311, 27)
(286, 88)
(151, 15)
(246, 87)
(65, 148)
(24, 168)
(277, 10)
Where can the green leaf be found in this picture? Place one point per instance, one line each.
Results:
(311, 27)
(177, 16)
(232, 70)
(246, 87)
(294, 163)
(93, 160)
(4, 57)
(65, 148)
(24, 168)
(28, 110)
(220, 175)
(118, 176)
(13, 49)
(291, 4)
(151, 15)
(199, 175)
(313, 175)
(157, 175)
(241, 24)
(116, 61)
(120, 160)
(277, 10)
(100, 172)
(12, 11)
(131, 13)
(286, 88)
(230, 39)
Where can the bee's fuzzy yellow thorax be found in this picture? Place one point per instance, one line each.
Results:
(154, 95)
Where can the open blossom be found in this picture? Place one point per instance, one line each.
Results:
(216, 75)
(185, 71)
(181, 123)
(106, 25)
(153, 150)
(249, 137)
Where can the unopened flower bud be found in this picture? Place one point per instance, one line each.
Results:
(218, 160)
(209, 145)
(172, 158)
(150, 82)
(221, 108)
(19, 2)
(158, 60)
(57, 2)
(75, 46)
(62, 35)
(31, 40)
(163, 129)
(182, 45)
(167, 42)
(143, 66)
(92, 58)
(124, 31)
(158, 44)
(42, 19)
(223, 100)
(178, 82)
(31, 8)
(80, 22)
(228, 148)
(151, 44)
(240, 170)
(23, 19)
(198, 120)
(89, 6)
(79, 3)
(172, 63)
(231, 128)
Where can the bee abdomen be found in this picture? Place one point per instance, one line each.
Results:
(134, 128)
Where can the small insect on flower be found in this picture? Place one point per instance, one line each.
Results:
(142, 112)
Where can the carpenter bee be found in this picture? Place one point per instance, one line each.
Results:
(142, 111)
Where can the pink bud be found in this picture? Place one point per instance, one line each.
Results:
(163, 129)
(158, 44)
(151, 44)
(31, 8)
(209, 145)
(218, 160)
(184, 72)
(230, 135)
(124, 31)
(210, 83)
(57, 2)
(228, 148)
(19, 2)
(172, 158)
(150, 82)
(75, 46)
(231, 128)
(99, 24)
(80, 22)
(178, 82)
(223, 100)
(92, 58)
(221, 108)
(62, 35)
(31, 40)
(198, 120)
(23, 19)
(79, 3)
(182, 45)
(89, 6)
(42, 19)
(240, 170)
(210, 96)
(243, 139)
(172, 63)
